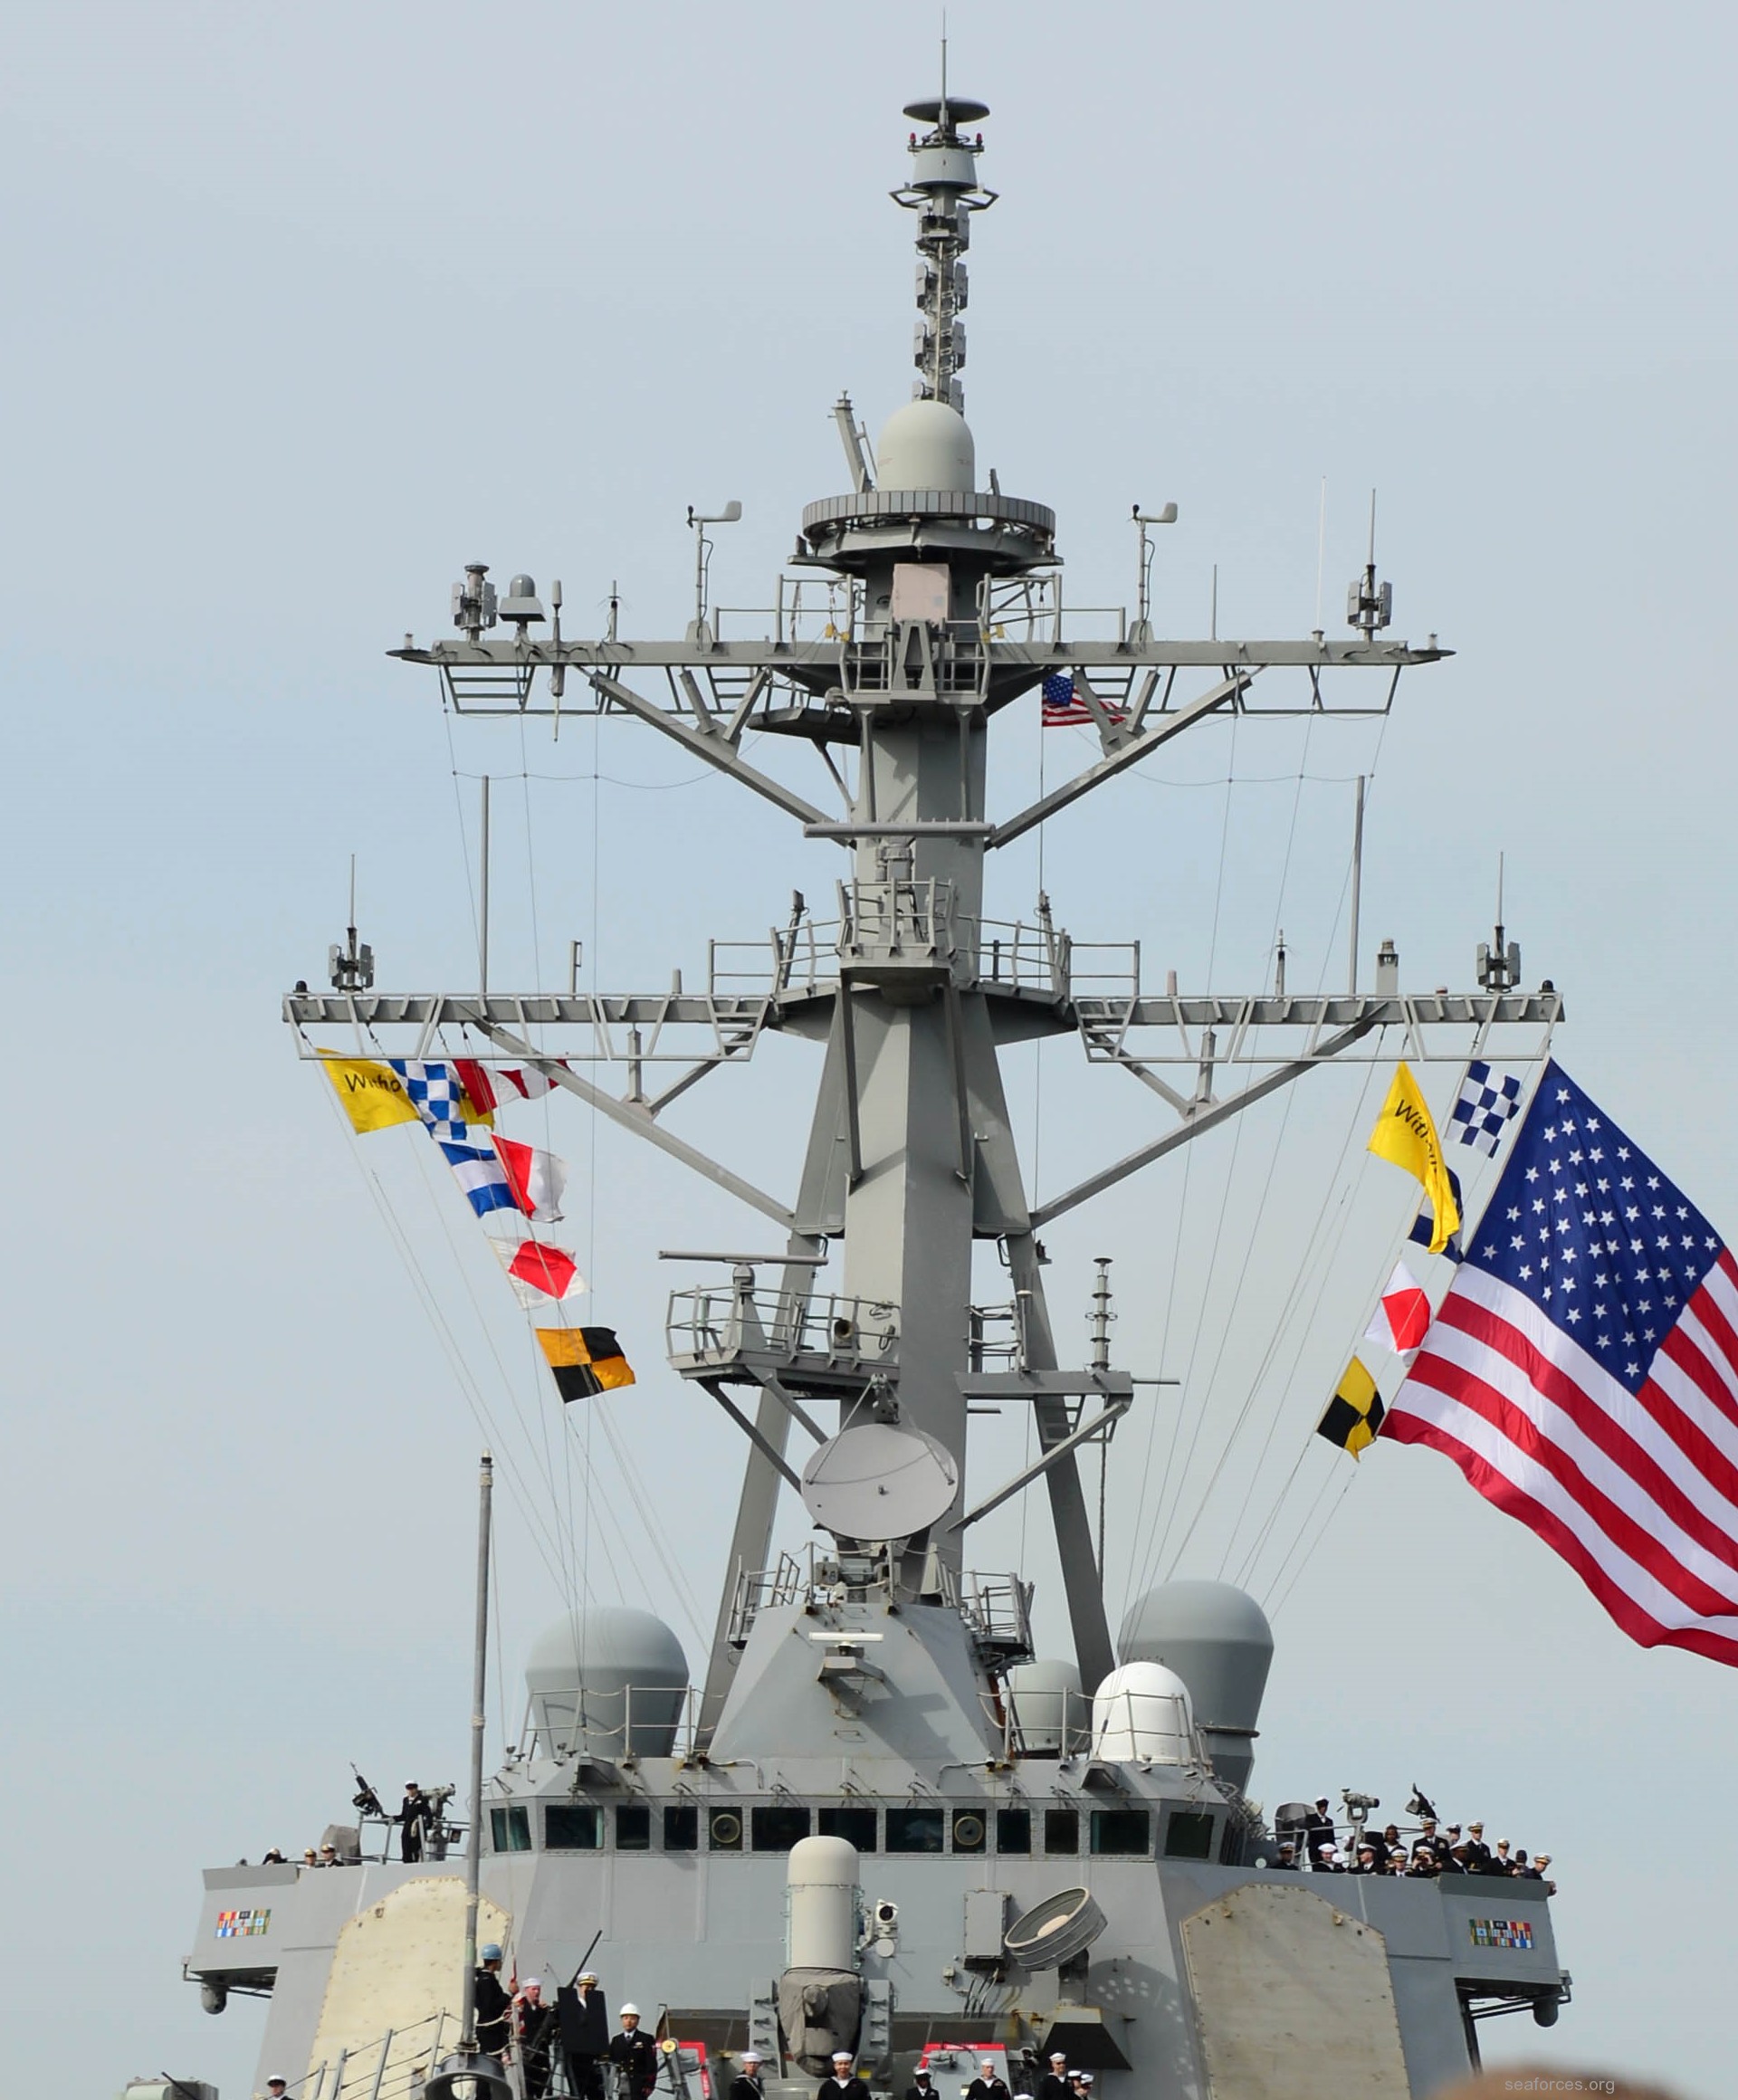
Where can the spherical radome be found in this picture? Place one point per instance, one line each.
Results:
(926, 445)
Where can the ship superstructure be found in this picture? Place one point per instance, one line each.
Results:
(871, 1817)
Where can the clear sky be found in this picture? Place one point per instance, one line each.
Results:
(307, 306)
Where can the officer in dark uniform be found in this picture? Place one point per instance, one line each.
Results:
(841, 2085)
(922, 2087)
(1318, 1828)
(493, 2004)
(1055, 2086)
(634, 2056)
(748, 2084)
(413, 1820)
(986, 2085)
(585, 2033)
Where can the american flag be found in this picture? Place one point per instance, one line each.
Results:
(1582, 1372)
(1061, 704)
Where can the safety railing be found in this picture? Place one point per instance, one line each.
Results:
(1027, 957)
(997, 1612)
(632, 1720)
(718, 1323)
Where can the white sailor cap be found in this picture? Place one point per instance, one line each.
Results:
(748, 2055)
(622, 2011)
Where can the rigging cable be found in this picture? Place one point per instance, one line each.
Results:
(449, 1347)
(1255, 1229)
(1149, 1556)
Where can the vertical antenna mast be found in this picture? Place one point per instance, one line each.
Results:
(944, 191)
(1357, 883)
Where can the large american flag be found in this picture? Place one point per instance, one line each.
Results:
(1582, 1372)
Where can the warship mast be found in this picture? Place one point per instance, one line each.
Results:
(956, 610)
(917, 607)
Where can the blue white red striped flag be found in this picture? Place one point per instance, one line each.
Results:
(482, 1176)
(1582, 1372)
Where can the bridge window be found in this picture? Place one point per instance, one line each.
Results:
(573, 1827)
(1014, 1830)
(682, 1829)
(632, 1827)
(1188, 1835)
(855, 1826)
(777, 1827)
(1060, 1831)
(1125, 1831)
(509, 1830)
(915, 1829)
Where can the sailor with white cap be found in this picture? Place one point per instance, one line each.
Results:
(276, 2088)
(535, 2022)
(634, 2056)
(922, 2086)
(1054, 2085)
(748, 2084)
(987, 2084)
(585, 2033)
(841, 2085)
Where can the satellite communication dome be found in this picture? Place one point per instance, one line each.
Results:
(1143, 1711)
(1044, 1694)
(1217, 1639)
(926, 445)
(610, 1680)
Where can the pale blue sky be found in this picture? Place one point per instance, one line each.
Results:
(306, 307)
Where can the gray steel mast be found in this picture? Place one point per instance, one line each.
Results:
(946, 607)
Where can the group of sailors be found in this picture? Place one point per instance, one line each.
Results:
(540, 2033)
(522, 2024)
(1058, 2083)
(1434, 1853)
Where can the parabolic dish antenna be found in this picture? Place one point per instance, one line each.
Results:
(879, 1482)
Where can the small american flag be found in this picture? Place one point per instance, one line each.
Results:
(1061, 704)
(1582, 1373)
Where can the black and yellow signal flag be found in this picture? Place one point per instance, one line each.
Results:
(1354, 1413)
(586, 1360)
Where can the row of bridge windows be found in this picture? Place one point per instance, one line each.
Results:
(777, 1825)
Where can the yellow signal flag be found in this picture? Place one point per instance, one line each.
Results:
(585, 1361)
(373, 1094)
(1406, 1135)
(1354, 1413)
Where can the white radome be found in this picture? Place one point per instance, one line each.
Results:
(926, 445)
(1143, 1710)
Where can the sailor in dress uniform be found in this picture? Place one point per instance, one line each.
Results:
(986, 2085)
(841, 2085)
(748, 2084)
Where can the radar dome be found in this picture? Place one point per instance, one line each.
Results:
(926, 445)
(1217, 1639)
(1142, 1711)
(607, 1680)
(1044, 1694)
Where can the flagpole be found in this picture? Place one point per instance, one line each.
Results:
(1357, 883)
(474, 1835)
(482, 913)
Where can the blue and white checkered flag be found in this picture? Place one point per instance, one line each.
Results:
(437, 1096)
(1483, 1106)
